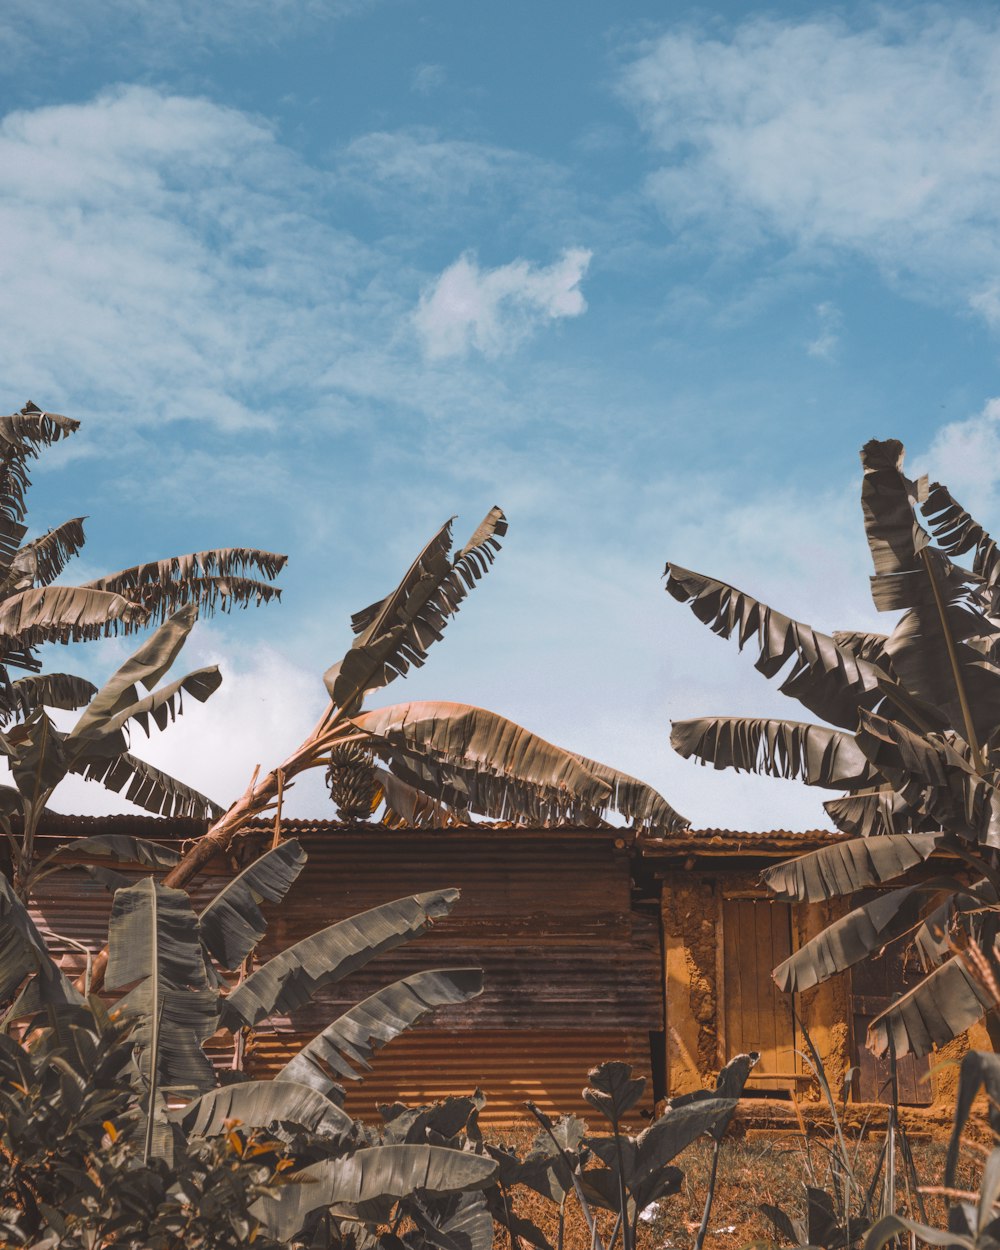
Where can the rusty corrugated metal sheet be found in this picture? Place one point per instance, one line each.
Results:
(572, 974)
(736, 842)
(508, 1065)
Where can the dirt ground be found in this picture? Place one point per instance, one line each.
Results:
(751, 1171)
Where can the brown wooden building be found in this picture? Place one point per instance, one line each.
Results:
(594, 948)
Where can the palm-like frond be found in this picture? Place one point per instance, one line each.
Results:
(211, 580)
(849, 866)
(942, 1006)
(829, 680)
(813, 754)
(636, 801)
(457, 752)
(958, 533)
(61, 614)
(40, 562)
(350, 1041)
(397, 631)
(290, 978)
(146, 786)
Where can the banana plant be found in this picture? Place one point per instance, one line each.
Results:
(168, 964)
(430, 762)
(36, 609)
(40, 755)
(911, 743)
(74, 1170)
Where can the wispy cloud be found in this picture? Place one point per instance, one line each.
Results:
(829, 319)
(172, 247)
(965, 455)
(883, 139)
(493, 310)
(160, 31)
(428, 78)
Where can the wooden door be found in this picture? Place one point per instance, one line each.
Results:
(756, 937)
(874, 984)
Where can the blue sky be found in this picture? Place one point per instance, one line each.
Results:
(317, 275)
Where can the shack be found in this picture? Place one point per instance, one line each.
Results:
(723, 933)
(595, 945)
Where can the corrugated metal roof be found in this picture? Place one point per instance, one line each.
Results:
(738, 842)
(57, 824)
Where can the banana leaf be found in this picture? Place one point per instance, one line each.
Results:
(39, 562)
(148, 787)
(851, 938)
(61, 690)
(23, 954)
(813, 754)
(397, 631)
(935, 940)
(464, 1223)
(257, 1104)
(933, 776)
(107, 738)
(352, 1040)
(848, 866)
(64, 614)
(944, 611)
(36, 755)
(502, 766)
(153, 945)
(371, 1175)
(289, 979)
(124, 849)
(208, 579)
(831, 681)
(232, 924)
(874, 813)
(946, 1002)
(145, 667)
(635, 800)
(22, 435)
(407, 807)
(957, 533)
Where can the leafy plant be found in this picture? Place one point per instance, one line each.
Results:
(633, 1171)
(437, 762)
(843, 1201)
(913, 744)
(35, 609)
(169, 965)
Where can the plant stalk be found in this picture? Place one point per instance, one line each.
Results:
(956, 672)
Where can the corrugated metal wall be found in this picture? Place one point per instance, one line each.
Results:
(572, 974)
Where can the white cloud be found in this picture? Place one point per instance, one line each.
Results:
(263, 710)
(493, 310)
(884, 140)
(965, 456)
(161, 259)
(824, 345)
(428, 78)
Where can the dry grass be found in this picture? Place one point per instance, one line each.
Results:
(751, 1171)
